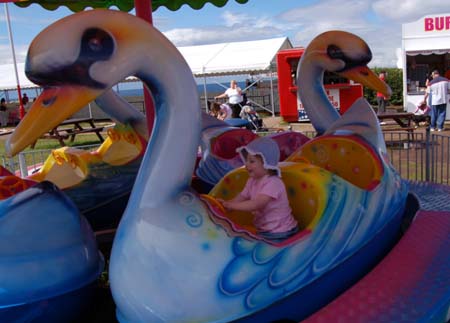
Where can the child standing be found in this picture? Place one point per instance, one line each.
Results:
(264, 193)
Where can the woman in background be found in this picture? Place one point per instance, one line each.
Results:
(235, 98)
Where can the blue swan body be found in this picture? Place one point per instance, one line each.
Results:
(171, 262)
(49, 256)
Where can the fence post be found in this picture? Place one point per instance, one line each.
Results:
(11, 165)
(23, 166)
(427, 154)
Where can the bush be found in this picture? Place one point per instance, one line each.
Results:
(394, 80)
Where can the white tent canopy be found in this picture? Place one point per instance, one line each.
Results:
(247, 57)
(8, 79)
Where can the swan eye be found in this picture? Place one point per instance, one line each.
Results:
(48, 101)
(97, 42)
(335, 52)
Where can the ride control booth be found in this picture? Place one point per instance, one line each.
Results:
(341, 92)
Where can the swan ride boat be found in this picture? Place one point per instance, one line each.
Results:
(176, 257)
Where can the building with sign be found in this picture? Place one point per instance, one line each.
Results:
(425, 47)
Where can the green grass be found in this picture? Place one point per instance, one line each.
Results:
(49, 144)
(80, 140)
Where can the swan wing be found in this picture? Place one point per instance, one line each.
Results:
(360, 119)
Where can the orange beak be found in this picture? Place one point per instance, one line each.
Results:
(52, 107)
(365, 76)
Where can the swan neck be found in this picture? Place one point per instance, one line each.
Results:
(169, 161)
(312, 94)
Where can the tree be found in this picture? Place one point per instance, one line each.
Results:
(395, 80)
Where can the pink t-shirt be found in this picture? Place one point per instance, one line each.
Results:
(277, 215)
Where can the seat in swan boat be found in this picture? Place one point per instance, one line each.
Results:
(306, 186)
(346, 156)
(306, 175)
(68, 167)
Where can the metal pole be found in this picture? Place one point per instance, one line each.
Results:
(11, 41)
(90, 110)
(144, 11)
(205, 93)
(23, 165)
(427, 154)
(271, 94)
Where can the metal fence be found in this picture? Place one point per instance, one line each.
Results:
(29, 162)
(422, 156)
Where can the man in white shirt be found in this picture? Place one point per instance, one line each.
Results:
(439, 89)
(235, 98)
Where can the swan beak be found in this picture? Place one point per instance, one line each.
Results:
(365, 76)
(52, 107)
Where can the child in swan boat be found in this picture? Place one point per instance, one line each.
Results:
(264, 193)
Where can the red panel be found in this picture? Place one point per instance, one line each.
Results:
(287, 91)
(287, 61)
(349, 95)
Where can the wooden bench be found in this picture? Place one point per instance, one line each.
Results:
(70, 128)
(73, 132)
(409, 130)
(398, 122)
(401, 120)
(411, 284)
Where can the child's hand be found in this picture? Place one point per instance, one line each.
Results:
(227, 205)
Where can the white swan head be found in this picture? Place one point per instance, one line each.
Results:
(342, 53)
(77, 60)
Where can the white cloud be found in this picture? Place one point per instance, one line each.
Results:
(352, 16)
(6, 54)
(333, 11)
(192, 36)
(233, 27)
(409, 10)
(304, 22)
(231, 19)
(311, 20)
(378, 22)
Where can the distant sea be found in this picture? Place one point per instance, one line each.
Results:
(210, 88)
(125, 90)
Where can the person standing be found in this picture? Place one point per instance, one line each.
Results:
(235, 98)
(3, 113)
(439, 91)
(25, 99)
(381, 99)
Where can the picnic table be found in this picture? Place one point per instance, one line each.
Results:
(403, 121)
(398, 122)
(72, 127)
